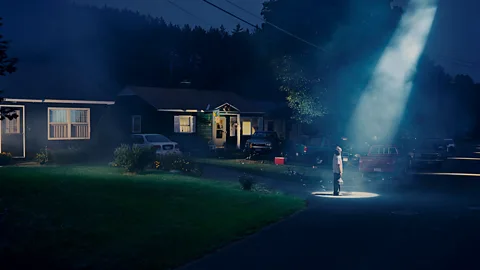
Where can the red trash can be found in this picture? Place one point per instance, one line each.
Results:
(279, 161)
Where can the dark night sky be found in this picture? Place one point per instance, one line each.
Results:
(453, 43)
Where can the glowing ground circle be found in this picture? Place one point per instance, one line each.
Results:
(345, 195)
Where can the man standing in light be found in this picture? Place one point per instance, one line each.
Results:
(337, 170)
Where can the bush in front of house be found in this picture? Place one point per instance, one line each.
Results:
(43, 157)
(134, 158)
(5, 158)
(175, 162)
(167, 162)
(246, 181)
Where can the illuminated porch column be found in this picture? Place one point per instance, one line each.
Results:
(239, 130)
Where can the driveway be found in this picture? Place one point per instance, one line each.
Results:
(412, 229)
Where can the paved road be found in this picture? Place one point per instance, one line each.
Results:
(425, 228)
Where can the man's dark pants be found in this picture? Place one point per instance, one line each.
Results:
(336, 184)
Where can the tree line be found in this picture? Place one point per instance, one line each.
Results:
(316, 80)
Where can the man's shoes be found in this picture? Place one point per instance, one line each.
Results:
(336, 194)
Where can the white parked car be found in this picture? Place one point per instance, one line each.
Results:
(163, 144)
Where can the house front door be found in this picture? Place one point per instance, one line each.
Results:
(12, 134)
(220, 131)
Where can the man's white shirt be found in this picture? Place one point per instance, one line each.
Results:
(337, 163)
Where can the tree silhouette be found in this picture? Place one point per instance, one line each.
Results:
(145, 51)
(7, 66)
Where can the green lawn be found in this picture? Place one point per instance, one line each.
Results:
(82, 217)
(268, 169)
(311, 174)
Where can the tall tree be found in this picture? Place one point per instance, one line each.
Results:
(7, 66)
(302, 93)
(293, 59)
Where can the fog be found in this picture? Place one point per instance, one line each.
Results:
(60, 49)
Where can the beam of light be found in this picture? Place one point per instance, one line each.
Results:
(383, 102)
(345, 195)
(463, 158)
(478, 153)
(450, 174)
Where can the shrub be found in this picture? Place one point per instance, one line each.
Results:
(43, 157)
(263, 189)
(179, 163)
(168, 162)
(133, 159)
(5, 158)
(246, 181)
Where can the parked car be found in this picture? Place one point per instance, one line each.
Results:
(383, 160)
(263, 142)
(162, 144)
(430, 152)
(316, 149)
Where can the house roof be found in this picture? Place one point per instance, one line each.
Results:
(193, 99)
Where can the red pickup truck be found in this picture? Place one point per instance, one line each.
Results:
(383, 160)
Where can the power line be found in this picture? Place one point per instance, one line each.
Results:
(188, 12)
(231, 14)
(275, 26)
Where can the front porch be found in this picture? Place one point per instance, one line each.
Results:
(231, 128)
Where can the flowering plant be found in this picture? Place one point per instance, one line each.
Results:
(5, 158)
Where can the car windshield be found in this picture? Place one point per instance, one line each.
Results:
(263, 135)
(156, 138)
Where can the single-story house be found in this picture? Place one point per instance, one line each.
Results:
(48, 122)
(60, 103)
(223, 119)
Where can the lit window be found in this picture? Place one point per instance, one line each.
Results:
(13, 126)
(136, 124)
(184, 124)
(246, 128)
(68, 124)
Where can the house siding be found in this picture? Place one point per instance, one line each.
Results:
(196, 141)
(162, 122)
(204, 125)
(36, 126)
(159, 122)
